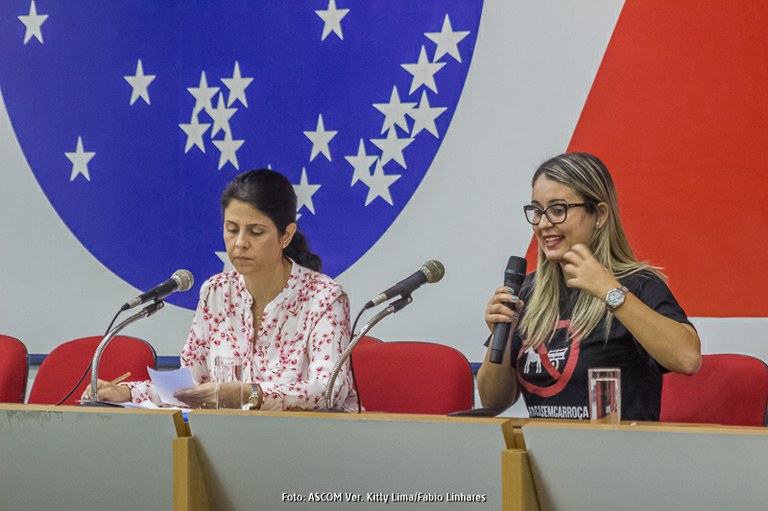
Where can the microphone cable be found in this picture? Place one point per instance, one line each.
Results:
(352, 366)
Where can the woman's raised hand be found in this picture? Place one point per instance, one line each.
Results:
(581, 270)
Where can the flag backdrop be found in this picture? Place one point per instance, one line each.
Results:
(409, 129)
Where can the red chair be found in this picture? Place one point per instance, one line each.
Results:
(65, 365)
(14, 369)
(413, 377)
(365, 341)
(728, 389)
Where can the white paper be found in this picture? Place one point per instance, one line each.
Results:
(144, 405)
(167, 383)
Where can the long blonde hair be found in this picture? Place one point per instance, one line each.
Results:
(588, 177)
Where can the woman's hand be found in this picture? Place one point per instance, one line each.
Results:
(497, 383)
(676, 346)
(108, 392)
(503, 307)
(202, 396)
(231, 395)
(581, 270)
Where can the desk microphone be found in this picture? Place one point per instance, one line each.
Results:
(430, 272)
(181, 280)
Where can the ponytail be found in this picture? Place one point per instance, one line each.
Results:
(298, 250)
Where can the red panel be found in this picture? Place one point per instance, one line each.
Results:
(679, 113)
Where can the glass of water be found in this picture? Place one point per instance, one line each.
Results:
(228, 375)
(605, 395)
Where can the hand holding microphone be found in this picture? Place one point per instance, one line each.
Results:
(514, 275)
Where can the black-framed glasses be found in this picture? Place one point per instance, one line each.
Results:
(556, 213)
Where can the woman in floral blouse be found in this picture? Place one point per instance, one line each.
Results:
(287, 321)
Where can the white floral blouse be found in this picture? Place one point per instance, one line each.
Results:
(302, 333)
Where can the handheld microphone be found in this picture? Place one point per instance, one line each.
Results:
(430, 272)
(181, 280)
(514, 276)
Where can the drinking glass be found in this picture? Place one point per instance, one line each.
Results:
(228, 370)
(605, 395)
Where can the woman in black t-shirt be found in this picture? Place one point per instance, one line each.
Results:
(589, 304)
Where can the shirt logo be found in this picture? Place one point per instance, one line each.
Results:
(134, 115)
(549, 361)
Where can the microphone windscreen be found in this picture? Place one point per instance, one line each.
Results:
(184, 279)
(434, 270)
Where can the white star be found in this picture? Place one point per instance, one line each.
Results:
(320, 139)
(237, 86)
(80, 159)
(225, 259)
(423, 72)
(228, 148)
(361, 163)
(392, 147)
(394, 111)
(379, 183)
(332, 20)
(447, 40)
(304, 192)
(140, 84)
(221, 116)
(194, 131)
(203, 95)
(425, 116)
(33, 22)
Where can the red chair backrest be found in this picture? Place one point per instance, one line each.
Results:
(64, 366)
(413, 377)
(14, 369)
(366, 341)
(728, 389)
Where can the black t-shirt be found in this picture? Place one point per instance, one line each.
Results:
(553, 378)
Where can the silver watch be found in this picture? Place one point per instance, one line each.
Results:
(615, 298)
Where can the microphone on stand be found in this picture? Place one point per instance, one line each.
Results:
(430, 272)
(181, 280)
(514, 276)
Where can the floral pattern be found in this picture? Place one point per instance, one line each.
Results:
(302, 334)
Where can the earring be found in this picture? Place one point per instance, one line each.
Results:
(597, 225)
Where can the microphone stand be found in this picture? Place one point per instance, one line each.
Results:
(393, 307)
(143, 313)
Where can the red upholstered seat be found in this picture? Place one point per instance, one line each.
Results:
(413, 377)
(64, 366)
(14, 369)
(728, 389)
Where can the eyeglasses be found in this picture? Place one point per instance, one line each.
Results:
(556, 213)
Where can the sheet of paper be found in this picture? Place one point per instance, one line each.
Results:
(168, 382)
(144, 405)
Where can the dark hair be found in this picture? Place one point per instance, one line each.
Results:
(272, 193)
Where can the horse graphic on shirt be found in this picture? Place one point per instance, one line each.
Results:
(532, 357)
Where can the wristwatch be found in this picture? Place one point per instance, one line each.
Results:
(256, 398)
(615, 298)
